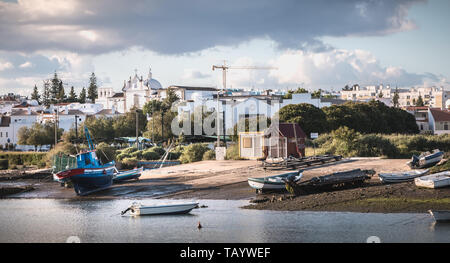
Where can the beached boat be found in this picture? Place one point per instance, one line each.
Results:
(426, 159)
(128, 175)
(86, 172)
(137, 209)
(401, 176)
(440, 215)
(275, 182)
(436, 180)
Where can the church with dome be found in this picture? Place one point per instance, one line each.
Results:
(136, 91)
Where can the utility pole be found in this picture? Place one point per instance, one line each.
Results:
(56, 126)
(76, 128)
(137, 130)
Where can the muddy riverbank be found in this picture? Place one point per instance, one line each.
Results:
(227, 180)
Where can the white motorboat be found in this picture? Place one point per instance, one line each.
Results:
(436, 180)
(398, 177)
(137, 209)
(440, 215)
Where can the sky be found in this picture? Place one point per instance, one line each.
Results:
(311, 44)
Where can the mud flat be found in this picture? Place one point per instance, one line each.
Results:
(227, 180)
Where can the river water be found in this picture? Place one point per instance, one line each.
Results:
(55, 220)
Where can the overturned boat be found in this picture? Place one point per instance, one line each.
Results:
(399, 177)
(137, 209)
(127, 175)
(275, 182)
(85, 171)
(437, 180)
(426, 159)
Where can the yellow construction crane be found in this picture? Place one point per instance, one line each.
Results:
(224, 68)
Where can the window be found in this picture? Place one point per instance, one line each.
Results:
(6, 134)
(446, 126)
(1, 134)
(247, 142)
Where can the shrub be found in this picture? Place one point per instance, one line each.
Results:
(209, 155)
(3, 164)
(129, 150)
(136, 154)
(61, 148)
(129, 163)
(149, 154)
(105, 152)
(233, 153)
(193, 153)
(372, 145)
(158, 150)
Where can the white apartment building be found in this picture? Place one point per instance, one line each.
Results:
(435, 97)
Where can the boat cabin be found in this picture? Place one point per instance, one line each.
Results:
(88, 160)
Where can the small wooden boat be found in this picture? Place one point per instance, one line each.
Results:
(402, 176)
(426, 159)
(440, 215)
(436, 180)
(275, 182)
(128, 175)
(137, 209)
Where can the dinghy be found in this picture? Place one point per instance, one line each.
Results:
(275, 182)
(401, 176)
(440, 215)
(128, 175)
(426, 159)
(137, 209)
(436, 180)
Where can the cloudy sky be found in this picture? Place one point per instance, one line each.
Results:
(314, 44)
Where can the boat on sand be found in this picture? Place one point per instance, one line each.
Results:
(128, 175)
(437, 180)
(275, 182)
(399, 177)
(426, 159)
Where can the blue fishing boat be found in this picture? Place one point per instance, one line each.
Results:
(88, 174)
(128, 175)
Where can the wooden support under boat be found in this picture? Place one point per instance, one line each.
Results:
(293, 163)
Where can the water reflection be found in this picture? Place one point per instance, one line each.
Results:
(47, 220)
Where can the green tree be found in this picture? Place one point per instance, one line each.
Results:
(92, 89)
(125, 125)
(35, 95)
(54, 88)
(61, 92)
(82, 97)
(72, 95)
(316, 94)
(396, 98)
(419, 102)
(46, 97)
(309, 117)
(38, 134)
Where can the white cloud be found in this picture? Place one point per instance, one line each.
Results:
(6, 65)
(27, 64)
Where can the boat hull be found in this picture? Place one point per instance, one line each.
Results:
(128, 175)
(272, 182)
(401, 177)
(437, 180)
(440, 216)
(163, 209)
(88, 181)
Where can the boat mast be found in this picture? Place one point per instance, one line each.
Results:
(88, 137)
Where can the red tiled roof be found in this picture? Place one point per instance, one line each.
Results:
(289, 130)
(440, 115)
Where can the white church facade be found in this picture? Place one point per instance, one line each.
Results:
(135, 93)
